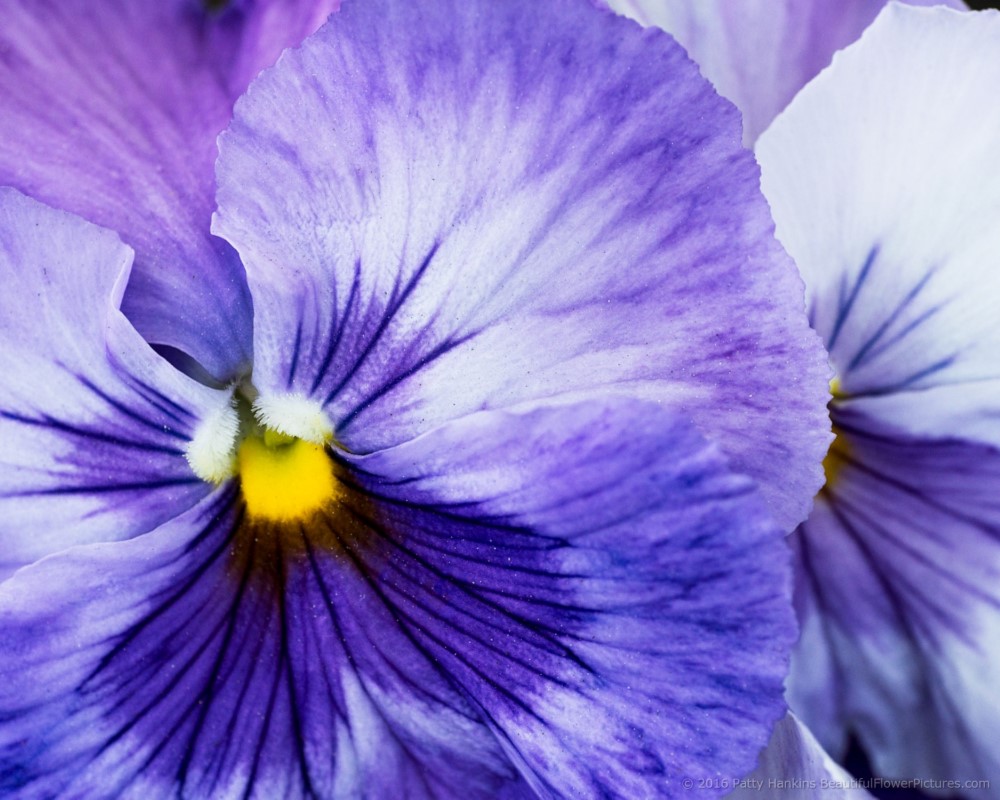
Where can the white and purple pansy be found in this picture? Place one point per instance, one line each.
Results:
(495, 508)
(884, 179)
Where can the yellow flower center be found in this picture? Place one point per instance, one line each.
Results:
(284, 479)
(838, 455)
(836, 458)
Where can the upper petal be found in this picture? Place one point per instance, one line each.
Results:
(488, 203)
(93, 423)
(111, 110)
(759, 53)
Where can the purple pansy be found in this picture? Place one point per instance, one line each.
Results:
(520, 328)
(883, 176)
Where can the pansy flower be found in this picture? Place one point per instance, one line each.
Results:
(460, 531)
(883, 176)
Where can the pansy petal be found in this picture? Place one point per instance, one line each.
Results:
(111, 110)
(617, 615)
(509, 201)
(203, 661)
(581, 600)
(760, 53)
(884, 180)
(93, 424)
(795, 767)
(899, 596)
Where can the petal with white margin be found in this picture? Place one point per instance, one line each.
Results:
(795, 767)
(885, 186)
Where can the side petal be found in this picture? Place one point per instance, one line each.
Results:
(898, 596)
(513, 201)
(564, 603)
(93, 423)
(885, 187)
(760, 53)
(795, 767)
(111, 110)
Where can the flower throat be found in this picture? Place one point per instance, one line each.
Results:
(284, 477)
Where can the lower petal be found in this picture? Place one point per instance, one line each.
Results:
(575, 601)
(202, 661)
(615, 606)
(899, 603)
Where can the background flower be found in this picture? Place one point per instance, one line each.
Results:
(760, 53)
(879, 177)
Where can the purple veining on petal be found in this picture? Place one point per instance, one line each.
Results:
(899, 566)
(871, 348)
(579, 599)
(475, 220)
(904, 506)
(94, 424)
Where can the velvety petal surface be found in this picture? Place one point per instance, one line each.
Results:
(759, 53)
(795, 767)
(93, 424)
(111, 110)
(578, 601)
(510, 201)
(885, 185)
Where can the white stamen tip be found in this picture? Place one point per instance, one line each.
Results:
(294, 415)
(212, 451)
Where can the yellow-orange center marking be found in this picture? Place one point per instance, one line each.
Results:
(284, 479)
